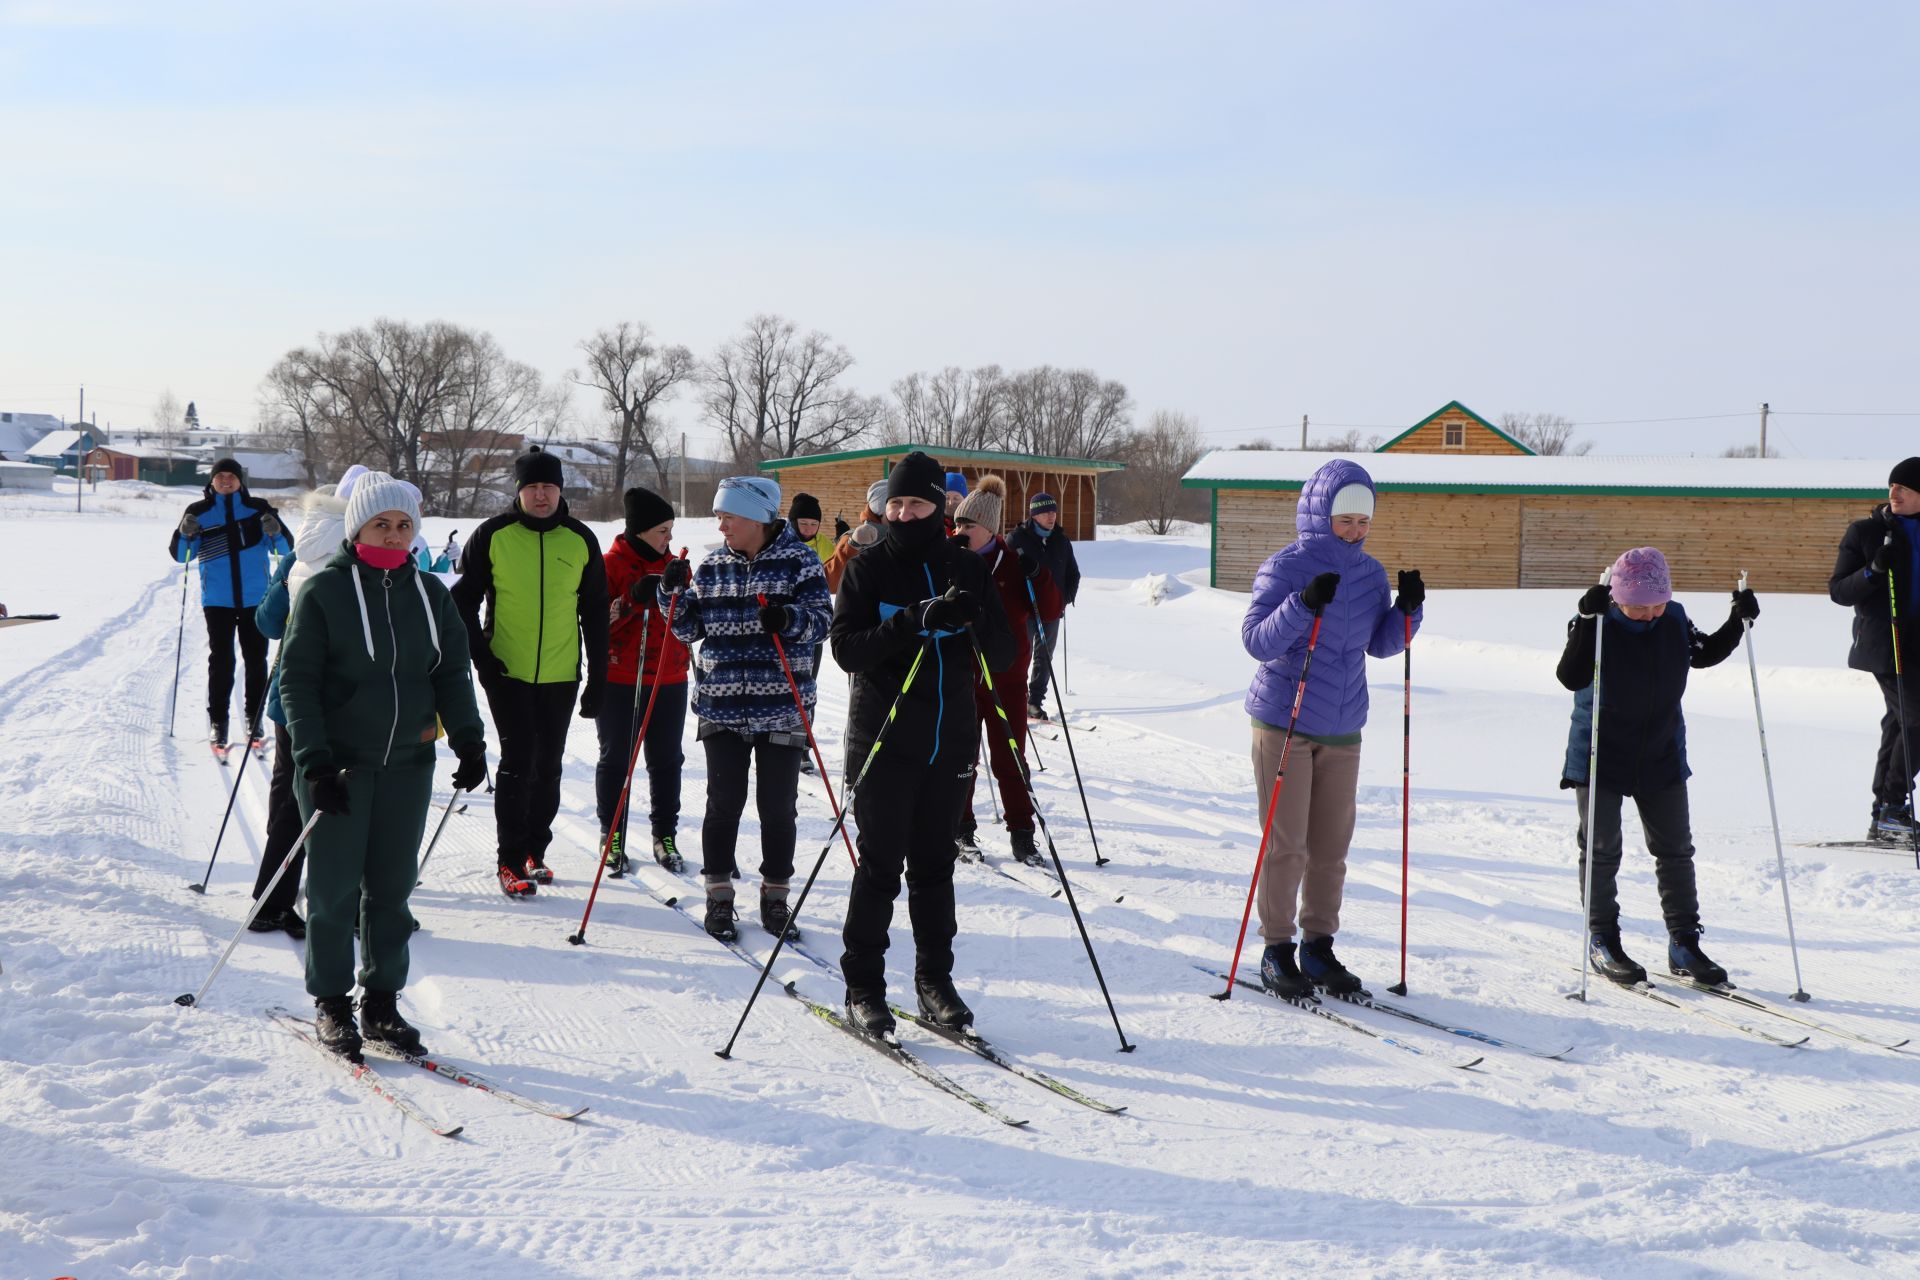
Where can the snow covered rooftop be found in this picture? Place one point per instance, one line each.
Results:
(1280, 469)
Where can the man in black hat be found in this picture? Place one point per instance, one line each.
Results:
(1878, 574)
(545, 586)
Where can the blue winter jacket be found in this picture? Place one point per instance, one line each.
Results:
(231, 548)
(1361, 619)
(270, 619)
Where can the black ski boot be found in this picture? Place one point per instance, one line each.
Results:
(1685, 959)
(1892, 824)
(333, 1024)
(965, 847)
(1280, 975)
(381, 1023)
(776, 917)
(1024, 848)
(667, 854)
(940, 1003)
(720, 918)
(1323, 969)
(868, 1014)
(1611, 962)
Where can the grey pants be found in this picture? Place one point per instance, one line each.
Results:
(1306, 862)
(1663, 814)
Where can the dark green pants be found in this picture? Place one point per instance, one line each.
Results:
(364, 864)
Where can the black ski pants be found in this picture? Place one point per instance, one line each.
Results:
(1046, 636)
(775, 758)
(907, 808)
(224, 626)
(1663, 815)
(283, 828)
(532, 722)
(617, 722)
(1893, 774)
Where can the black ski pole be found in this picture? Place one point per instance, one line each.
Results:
(1066, 731)
(193, 998)
(238, 774)
(839, 823)
(1041, 818)
(179, 639)
(420, 870)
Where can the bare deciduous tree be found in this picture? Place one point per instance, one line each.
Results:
(1747, 451)
(168, 419)
(1348, 442)
(632, 373)
(1065, 413)
(1157, 457)
(775, 393)
(1547, 434)
(954, 409)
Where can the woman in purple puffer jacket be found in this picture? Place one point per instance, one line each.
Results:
(1325, 572)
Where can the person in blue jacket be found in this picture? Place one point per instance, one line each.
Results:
(278, 913)
(230, 532)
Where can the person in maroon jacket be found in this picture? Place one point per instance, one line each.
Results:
(977, 524)
(634, 565)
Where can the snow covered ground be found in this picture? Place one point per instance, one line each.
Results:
(138, 1138)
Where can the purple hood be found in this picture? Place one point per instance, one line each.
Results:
(1360, 621)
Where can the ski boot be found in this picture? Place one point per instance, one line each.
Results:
(1024, 848)
(1611, 962)
(719, 922)
(616, 859)
(965, 848)
(1892, 824)
(1280, 975)
(537, 871)
(257, 744)
(1686, 960)
(1323, 969)
(776, 917)
(1036, 712)
(513, 886)
(333, 1025)
(941, 1004)
(868, 1014)
(381, 1023)
(217, 741)
(667, 855)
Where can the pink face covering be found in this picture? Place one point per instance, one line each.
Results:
(380, 557)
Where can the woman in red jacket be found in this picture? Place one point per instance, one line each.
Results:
(634, 565)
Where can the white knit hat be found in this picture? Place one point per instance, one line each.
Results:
(374, 492)
(877, 497)
(1352, 500)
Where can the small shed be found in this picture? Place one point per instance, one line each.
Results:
(1530, 521)
(61, 449)
(26, 475)
(140, 462)
(840, 480)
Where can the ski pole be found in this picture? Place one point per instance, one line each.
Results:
(1273, 804)
(1900, 692)
(1066, 658)
(179, 639)
(420, 869)
(1773, 811)
(194, 998)
(1593, 804)
(1066, 731)
(636, 717)
(1047, 834)
(839, 824)
(807, 724)
(232, 794)
(1406, 798)
(1033, 741)
(993, 784)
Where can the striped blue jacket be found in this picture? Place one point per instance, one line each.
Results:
(738, 681)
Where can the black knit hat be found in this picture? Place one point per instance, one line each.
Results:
(645, 510)
(805, 507)
(918, 476)
(1906, 472)
(537, 466)
(239, 472)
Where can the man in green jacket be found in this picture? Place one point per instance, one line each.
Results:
(545, 587)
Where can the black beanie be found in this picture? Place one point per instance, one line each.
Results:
(918, 476)
(1906, 472)
(239, 472)
(537, 466)
(805, 507)
(645, 510)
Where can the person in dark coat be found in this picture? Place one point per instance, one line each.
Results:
(1042, 538)
(912, 594)
(230, 532)
(1878, 554)
(1650, 647)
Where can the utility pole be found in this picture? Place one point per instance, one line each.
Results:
(683, 475)
(1303, 431)
(1763, 429)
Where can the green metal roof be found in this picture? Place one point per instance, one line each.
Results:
(1878, 493)
(1448, 406)
(1028, 460)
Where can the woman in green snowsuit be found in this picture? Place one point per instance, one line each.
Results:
(374, 662)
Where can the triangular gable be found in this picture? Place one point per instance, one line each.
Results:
(1449, 407)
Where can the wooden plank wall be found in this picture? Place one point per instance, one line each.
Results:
(1075, 493)
(1432, 438)
(840, 486)
(1560, 541)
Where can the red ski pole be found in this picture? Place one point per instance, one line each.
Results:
(1273, 805)
(1406, 799)
(806, 724)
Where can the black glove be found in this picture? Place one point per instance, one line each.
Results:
(590, 699)
(189, 525)
(328, 787)
(960, 540)
(472, 770)
(1595, 601)
(953, 611)
(1318, 594)
(270, 524)
(1882, 556)
(775, 619)
(840, 528)
(677, 576)
(487, 668)
(1029, 565)
(645, 591)
(1413, 592)
(1745, 605)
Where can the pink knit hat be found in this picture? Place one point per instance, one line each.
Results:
(1640, 577)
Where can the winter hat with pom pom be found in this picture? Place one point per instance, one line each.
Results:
(1640, 577)
(984, 505)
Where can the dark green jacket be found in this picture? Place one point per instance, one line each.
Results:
(545, 585)
(361, 676)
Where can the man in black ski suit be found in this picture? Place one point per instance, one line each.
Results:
(895, 603)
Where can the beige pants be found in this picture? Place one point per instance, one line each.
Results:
(1306, 862)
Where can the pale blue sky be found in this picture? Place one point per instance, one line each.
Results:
(1244, 211)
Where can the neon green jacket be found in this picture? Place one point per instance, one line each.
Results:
(546, 592)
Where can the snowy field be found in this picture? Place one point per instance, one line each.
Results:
(138, 1138)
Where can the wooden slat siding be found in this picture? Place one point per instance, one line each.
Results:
(1432, 438)
(840, 486)
(842, 489)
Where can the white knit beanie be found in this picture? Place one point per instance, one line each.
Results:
(374, 492)
(1352, 500)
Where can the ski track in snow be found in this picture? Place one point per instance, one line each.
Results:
(143, 1139)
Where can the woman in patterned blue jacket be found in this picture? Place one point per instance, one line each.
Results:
(741, 699)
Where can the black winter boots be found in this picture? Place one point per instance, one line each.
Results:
(333, 1023)
(1611, 961)
(381, 1023)
(941, 1004)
